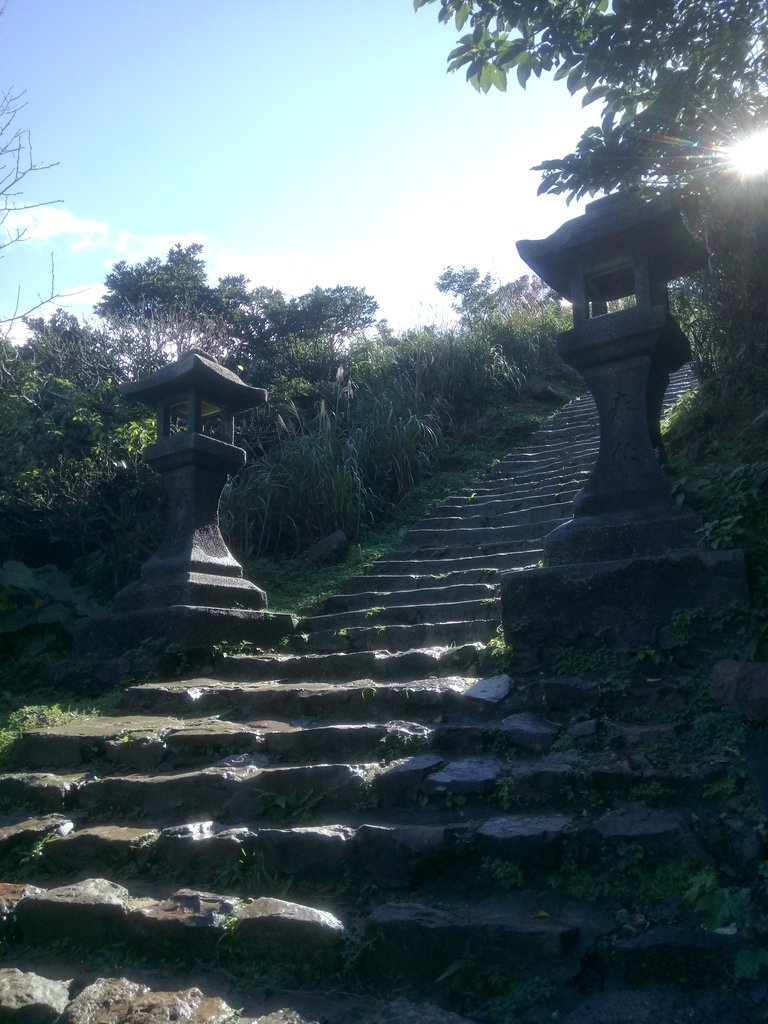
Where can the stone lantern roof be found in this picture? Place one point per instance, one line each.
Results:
(606, 237)
(195, 370)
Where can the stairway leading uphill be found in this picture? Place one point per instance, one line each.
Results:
(361, 810)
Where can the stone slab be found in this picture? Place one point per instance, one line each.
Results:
(28, 998)
(624, 605)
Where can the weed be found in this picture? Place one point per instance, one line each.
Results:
(505, 873)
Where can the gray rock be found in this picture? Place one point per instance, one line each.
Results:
(526, 839)
(188, 920)
(91, 912)
(667, 955)
(28, 998)
(661, 1005)
(11, 894)
(491, 690)
(401, 1011)
(414, 941)
(123, 1002)
(282, 930)
(529, 732)
(468, 776)
(329, 551)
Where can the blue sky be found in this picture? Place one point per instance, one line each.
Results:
(302, 143)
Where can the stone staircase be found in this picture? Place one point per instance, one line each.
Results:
(372, 824)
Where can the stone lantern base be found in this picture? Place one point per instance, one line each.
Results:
(622, 605)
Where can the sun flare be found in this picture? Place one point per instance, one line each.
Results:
(749, 156)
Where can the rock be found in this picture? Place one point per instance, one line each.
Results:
(666, 954)
(329, 551)
(397, 856)
(413, 941)
(401, 1011)
(11, 895)
(27, 998)
(658, 1005)
(105, 999)
(658, 833)
(583, 730)
(529, 732)
(91, 912)
(468, 776)
(19, 837)
(526, 839)
(405, 775)
(742, 686)
(110, 1000)
(491, 690)
(300, 852)
(277, 929)
(188, 921)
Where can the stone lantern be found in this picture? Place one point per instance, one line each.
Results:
(191, 593)
(621, 249)
(621, 569)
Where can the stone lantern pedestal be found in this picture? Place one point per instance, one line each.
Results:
(192, 593)
(628, 559)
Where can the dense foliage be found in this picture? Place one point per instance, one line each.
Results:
(356, 415)
(676, 79)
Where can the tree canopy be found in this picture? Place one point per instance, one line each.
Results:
(677, 80)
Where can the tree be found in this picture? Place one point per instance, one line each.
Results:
(16, 163)
(157, 308)
(677, 80)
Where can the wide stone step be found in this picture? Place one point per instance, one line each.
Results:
(410, 590)
(408, 610)
(473, 517)
(371, 664)
(397, 637)
(240, 790)
(371, 587)
(462, 538)
(389, 856)
(492, 506)
(506, 490)
(368, 699)
(428, 561)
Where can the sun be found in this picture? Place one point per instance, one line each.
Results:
(749, 156)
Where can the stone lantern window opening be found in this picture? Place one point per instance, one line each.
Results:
(210, 418)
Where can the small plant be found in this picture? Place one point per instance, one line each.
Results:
(504, 872)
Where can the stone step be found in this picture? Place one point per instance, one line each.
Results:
(409, 590)
(368, 699)
(372, 587)
(408, 610)
(371, 664)
(389, 856)
(241, 790)
(474, 505)
(394, 637)
(484, 518)
(496, 536)
(422, 562)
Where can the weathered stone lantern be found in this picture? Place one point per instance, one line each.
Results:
(619, 571)
(621, 249)
(191, 593)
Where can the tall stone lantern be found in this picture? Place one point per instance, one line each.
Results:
(192, 593)
(621, 249)
(619, 571)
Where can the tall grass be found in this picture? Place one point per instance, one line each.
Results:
(340, 453)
